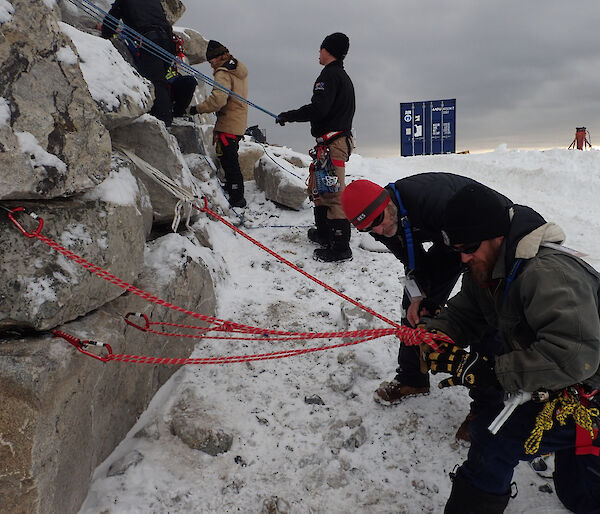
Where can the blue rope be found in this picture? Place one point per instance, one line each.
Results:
(284, 169)
(131, 35)
(408, 235)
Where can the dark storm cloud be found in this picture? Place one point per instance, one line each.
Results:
(523, 72)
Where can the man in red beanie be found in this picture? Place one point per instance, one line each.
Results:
(330, 113)
(404, 216)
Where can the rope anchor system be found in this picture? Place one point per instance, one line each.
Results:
(235, 331)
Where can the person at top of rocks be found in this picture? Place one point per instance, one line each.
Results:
(148, 18)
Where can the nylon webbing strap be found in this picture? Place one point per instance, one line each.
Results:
(408, 235)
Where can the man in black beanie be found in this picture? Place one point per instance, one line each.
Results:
(544, 300)
(330, 113)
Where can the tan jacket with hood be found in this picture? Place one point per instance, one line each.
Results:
(232, 114)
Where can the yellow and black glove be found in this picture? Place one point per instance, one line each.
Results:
(468, 369)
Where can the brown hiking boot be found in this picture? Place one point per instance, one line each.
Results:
(391, 393)
(462, 434)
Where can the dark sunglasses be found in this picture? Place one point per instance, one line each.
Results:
(466, 249)
(376, 222)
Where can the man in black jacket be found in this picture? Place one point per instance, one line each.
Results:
(330, 113)
(404, 216)
(148, 18)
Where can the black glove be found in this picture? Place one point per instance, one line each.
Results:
(192, 110)
(468, 369)
(281, 119)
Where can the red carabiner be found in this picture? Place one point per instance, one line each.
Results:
(80, 345)
(36, 232)
(139, 327)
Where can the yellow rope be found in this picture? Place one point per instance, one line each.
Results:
(569, 406)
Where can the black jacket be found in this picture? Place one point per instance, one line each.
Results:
(142, 16)
(425, 197)
(332, 105)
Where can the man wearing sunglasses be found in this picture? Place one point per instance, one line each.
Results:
(406, 216)
(544, 300)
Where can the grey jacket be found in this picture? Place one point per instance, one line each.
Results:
(549, 315)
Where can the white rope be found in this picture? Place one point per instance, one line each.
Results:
(186, 198)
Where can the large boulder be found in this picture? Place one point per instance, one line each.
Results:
(149, 140)
(62, 412)
(53, 143)
(248, 155)
(281, 181)
(123, 98)
(194, 44)
(41, 287)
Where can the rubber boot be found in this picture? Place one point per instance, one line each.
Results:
(467, 499)
(339, 243)
(320, 234)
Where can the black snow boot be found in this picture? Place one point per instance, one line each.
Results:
(320, 235)
(467, 499)
(339, 243)
(236, 194)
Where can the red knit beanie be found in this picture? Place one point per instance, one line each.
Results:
(363, 201)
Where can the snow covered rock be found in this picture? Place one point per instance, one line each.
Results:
(196, 429)
(281, 182)
(149, 139)
(53, 143)
(123, 98)
(63, 412)
(42, 288)
(249, 155)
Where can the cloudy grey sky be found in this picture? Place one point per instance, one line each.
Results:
(523, 72)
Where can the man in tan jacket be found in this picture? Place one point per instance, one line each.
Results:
(232, 115)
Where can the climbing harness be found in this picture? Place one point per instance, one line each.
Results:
(408, 335)
(565, 405)
(149, 46)
(322, 178)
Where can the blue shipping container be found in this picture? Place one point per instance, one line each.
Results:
(428, 128)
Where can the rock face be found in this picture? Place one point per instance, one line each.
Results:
(52, 140)
(46, 289)
(68, 101)
(150, 141)
(63, 412)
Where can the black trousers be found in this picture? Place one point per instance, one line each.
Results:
(155, 70)
(228, 156)
(182, 90)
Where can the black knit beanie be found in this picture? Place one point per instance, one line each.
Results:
(336, 44)
(214, 49)
(475, 213)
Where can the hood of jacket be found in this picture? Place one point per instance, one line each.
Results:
(528, 230)
(236, 68)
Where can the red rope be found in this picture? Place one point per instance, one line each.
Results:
(408, 335)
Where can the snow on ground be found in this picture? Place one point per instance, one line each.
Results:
(349, 454)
